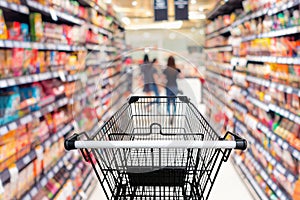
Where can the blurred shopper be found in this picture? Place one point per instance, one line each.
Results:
(149, 72)
(171, 73)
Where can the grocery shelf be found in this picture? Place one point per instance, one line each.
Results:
(8, 82)
(74, 165)
(240, 107)
(29, 117)
(284, 88)
(49, 175)
(279, 140)
(218, 49)
(285, 113)
(277, 165)
(273, 59)
(85, 184)
(49, 11)
(277, 33)
(14, 7)
(258, 103)
(279, 7)
(250, 178)
(39, 46)
(260, 169)
(29, 157)
(103, 31)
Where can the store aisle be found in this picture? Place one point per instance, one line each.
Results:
(229, 184)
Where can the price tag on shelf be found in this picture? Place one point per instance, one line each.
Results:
(14, 7)
(56, 169)
(296, 154)
(3, 83)
(35, 45)
(47, 143)
(22, 80)
(26, 159)
(297, 119)
(53, 14)
(8, 43)
(4, 4)
(26, 119)
(60, 164)
(50, 175)
(50, 108)
(1, 187)
(3, 130)
(292, 117)
(12, 126)
(14, 174)
(24, 9)
(55, 138)
(39, 151)
(11, 82)
(33, 191)
(62, 75)
(44, 181)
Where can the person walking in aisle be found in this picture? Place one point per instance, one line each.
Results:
(171, 73)
(149, 72)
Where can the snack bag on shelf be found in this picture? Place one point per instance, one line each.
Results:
(3, 28)
(36, 27)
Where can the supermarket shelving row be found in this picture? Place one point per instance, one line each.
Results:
(54, 14)
(271, 34)
(279, 140)
(85, 185)
(49, 175)
(276, 8)
(284, 88)
(14, 7)
(245, 123)
(36, 114)
(40, 46)
(257, 188)
(277, 164)
(28, 158)
(274, 59)
(218, 49)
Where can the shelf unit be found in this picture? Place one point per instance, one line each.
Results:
(256, 105)
(104, 78)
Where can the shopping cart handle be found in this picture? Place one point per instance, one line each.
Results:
(70, 142)
(240, 142)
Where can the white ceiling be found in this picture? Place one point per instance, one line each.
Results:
(137, 13)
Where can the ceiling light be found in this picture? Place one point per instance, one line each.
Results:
(146, 50)
(148, 13)
(134, 3)
(196, 15)
(126, 20)
(193, 1)
(157, 25)
(201, 9)
(108, 1)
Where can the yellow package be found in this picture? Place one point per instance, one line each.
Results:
(3, 28)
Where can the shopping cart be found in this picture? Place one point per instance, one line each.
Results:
(139, 154)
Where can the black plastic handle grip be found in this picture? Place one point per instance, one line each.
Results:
(240, 142)
(70, 142)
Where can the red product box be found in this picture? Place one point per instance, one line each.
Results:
(14, 31)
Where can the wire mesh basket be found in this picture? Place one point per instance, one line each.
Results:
(156, 148)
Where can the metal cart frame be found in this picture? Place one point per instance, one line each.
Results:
(144, 152)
